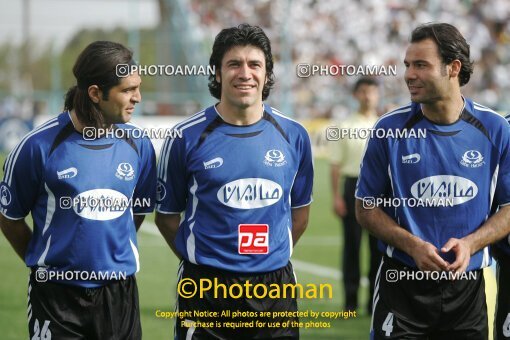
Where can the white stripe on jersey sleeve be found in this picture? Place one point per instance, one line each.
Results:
(485, 109)
(9, 157)
(403, 109)
(167, 156)
(167, 140)
(13, 156)
(163, 158)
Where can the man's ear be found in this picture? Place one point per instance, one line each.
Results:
(218, 77)
(95, 93)
(455, 67)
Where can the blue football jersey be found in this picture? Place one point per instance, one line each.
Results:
(82, 195)
(236, 186)
(504, 244)
(464, 165)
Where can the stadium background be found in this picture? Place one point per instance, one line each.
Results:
(35, 71)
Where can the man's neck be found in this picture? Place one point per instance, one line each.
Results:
(240, 116)
(446, 111)
(78, 126)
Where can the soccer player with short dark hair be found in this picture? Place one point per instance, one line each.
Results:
(87, 199)
(242, 178)
(446, 182)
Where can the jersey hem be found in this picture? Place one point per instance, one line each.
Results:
(303, 205)
(169, 212)
(12, 218)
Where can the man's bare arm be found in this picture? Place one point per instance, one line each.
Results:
(378, 223)
(18, 233)
(299, 222)
(168, 224)
(494, 229)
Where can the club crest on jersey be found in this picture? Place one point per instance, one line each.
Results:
(160, 191)
(5, 196)
(125, 172)
(213, 163)
(250, 193)
(472, 159)
(67, 173)
(274, 158)
(440, 188)
(253, 239)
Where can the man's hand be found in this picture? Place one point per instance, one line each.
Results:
(462, 251)
(427, 258)
(339, 206)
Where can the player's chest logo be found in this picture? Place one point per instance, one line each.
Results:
(444, 190)
(274, 158)
(125, 172)
(411, 158)
(253, 239)
(250, 193)
(213, 163)
(472, 159)
(67, 173)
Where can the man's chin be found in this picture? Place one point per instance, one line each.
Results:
(415, 98)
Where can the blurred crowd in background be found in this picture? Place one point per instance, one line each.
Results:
(332, 32)
(369, 32)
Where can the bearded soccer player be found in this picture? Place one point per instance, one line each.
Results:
(242, 178)
(87, 198)
(430, 283)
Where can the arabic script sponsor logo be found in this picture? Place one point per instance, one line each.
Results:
(250, 193)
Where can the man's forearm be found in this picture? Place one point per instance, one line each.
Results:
(335, 174)
(18, 233)
(379, 224)
(494, 229)
(299, 222)
(168, 226)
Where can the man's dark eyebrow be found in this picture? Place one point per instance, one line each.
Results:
(416, 61)
(132, 87)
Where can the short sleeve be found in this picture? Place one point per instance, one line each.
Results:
(301, 192)
(20, 186)
(145, 190)
(374, 179)
(502, 194)
(172, 174)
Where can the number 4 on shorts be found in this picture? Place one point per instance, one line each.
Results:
(506, 326)
(387, 326)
